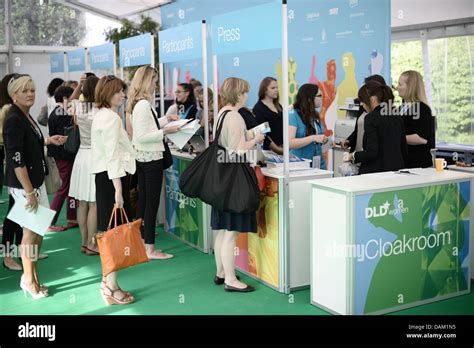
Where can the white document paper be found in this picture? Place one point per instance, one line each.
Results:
(37, 222)
(181, 138)
(176, 123)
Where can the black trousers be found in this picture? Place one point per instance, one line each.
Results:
(11, 230)
(105, 200)
(150, 181)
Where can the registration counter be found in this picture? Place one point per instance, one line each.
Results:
(275, 256)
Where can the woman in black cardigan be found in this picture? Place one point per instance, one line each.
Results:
(420, 124)
(25, 171)
(352, 140)
(384, 143)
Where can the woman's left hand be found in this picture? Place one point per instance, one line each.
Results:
(172, 118)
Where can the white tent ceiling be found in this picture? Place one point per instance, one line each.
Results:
(404, 12)
(115, 9)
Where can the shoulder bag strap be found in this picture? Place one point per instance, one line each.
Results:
(219, 125)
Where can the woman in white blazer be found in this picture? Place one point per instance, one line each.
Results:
(113, 158)
(147, 139)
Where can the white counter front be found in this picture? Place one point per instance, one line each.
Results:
(384, 242)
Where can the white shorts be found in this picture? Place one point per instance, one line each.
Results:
(41, 195)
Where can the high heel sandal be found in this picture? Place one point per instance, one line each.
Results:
(43, 288)
(110, 299)
(26, 289)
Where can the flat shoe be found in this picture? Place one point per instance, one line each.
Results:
(163, 257)
(219, 281)
(14, 268)
(229, 288)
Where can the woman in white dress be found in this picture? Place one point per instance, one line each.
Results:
(82, 186)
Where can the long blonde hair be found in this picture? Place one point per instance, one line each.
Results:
(415, 87)
(140, 86)
(14, 85)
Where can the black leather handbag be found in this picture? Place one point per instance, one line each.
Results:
(73, 141)
(228, 185)
(167, 158)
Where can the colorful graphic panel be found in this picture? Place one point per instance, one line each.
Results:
(411, 245)
(258, 252)
(184, 215)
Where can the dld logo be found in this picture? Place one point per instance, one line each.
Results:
(372, 212)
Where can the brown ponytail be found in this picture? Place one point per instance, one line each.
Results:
(383, 93)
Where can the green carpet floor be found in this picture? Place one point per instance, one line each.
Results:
(182, 285)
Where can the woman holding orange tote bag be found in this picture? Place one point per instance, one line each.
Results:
(112, 158)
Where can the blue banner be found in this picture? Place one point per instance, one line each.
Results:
(102, 57)
(181, 43)
(136, 50)
(76, 60)
(252, 29)
(56, 62)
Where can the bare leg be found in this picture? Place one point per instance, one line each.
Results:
(228, 259)
(28, 258)
(82, 212)
(91, 226)
(218, 237)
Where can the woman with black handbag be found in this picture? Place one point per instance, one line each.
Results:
(151, 152)
(226, 224)
(58, 120)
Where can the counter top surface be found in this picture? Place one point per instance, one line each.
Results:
(297, 174)
(391, 180)
(272, 173)
(461, 169)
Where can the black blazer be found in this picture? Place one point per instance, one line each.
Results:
(24, 147)
(420, 121)
(275, 121)
(384, 143)
(353, 137)
(57, 121)
(249, 118)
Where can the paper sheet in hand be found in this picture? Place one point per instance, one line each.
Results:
(182, 137)
(176, 123)
(37, 222)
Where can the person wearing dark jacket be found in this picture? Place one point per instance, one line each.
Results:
(420, 124)
(57, 121)
(384, 143)
(11, 230)
(25, 172)
(268, 109)
(354, 141)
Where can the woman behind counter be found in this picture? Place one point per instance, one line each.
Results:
(185, 106)
(419, 121)
(268, 109)
(306, 129)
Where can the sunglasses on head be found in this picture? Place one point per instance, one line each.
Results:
(110, 77)
(16, 77)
